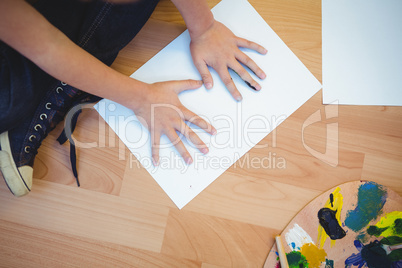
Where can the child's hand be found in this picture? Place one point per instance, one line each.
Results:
(163, 112)
(218, 47)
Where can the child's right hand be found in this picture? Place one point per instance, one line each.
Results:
(163, 113)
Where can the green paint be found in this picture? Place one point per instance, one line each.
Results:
(389, 225)
(374, 230)
(395, 255)
(398, 226)
(296, 259)
(329, 263)
(371, 198)
(391, 240)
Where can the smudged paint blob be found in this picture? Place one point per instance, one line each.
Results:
(313, 254)
(371, 198)
(356, 258)
(296, 259)
(374, 255)
(363, 237)
(329, 222)
(334, 203)
(329, 263)
(297, 237)
(392, 240)
(388, 225)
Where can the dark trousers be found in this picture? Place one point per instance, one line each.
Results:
(101, 28)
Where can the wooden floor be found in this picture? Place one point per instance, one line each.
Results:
(121, 217)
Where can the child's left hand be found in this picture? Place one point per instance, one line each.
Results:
(218, 47)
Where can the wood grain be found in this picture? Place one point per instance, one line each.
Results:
(121, 217)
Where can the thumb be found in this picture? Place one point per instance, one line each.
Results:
(183, 85)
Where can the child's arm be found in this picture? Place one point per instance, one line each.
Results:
(212, 44)
(28, 32)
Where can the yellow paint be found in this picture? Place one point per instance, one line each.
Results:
(337, 205)
(387, 221)
(313, 254)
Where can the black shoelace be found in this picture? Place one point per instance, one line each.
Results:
(44, 127)
(84, 98)
(63, 138)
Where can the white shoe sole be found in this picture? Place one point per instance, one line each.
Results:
(18, 180)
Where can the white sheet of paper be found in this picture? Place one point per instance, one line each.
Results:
(362, 51)
(240, 125)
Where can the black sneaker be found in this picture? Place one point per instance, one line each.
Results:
(19, 146)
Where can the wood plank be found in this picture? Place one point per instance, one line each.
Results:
(216, 241)
(79, 212)
(23, 246)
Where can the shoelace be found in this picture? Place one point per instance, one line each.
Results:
(43, 128)
(63, 137)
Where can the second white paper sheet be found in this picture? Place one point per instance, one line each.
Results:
(240, 125)
(362, 52)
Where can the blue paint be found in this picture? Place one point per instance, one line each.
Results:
(358, 245)
(371, 200)
(293, 244)
(356, 258)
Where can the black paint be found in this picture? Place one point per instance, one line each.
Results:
(331, 198)
(331, 226)
(375, 255)
(248, 84)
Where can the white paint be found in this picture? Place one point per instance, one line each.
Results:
(298, 236)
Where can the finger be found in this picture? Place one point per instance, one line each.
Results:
(205, 74)
(246, 60)
(227, 80)
(155, 142)
(197, 120)
(174, 138)
(195, 139)
(245, 76)
(182, 85)
(241, 42)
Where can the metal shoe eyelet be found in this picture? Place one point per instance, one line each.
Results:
(43, 117)
(59, 89)
(48, 105)
(63, 83)
(31, 138)
(26, 149)
(37, 127)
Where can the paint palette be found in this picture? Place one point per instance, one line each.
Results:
(357, 224)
